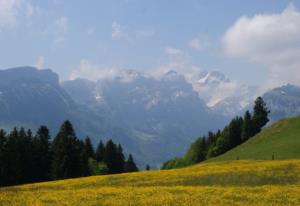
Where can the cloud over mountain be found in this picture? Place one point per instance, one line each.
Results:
(271, 40)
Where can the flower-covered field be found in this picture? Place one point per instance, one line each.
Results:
(222, 183)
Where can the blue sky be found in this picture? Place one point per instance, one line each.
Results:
(134, 34)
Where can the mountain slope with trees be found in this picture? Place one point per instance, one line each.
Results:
(239, 130)
(278, 141)
(26, 158)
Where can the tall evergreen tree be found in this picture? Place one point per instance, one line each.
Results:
(147, 168)
(100, 152)
(3, 150)
(120, 164)
(84, 159)
(42, 154)
(13, 158)
(222, 144)
(66, 153)
(114, 158)
(235, 132)
(247, 128)
(197, 151)
(89, 148)
(260, 115)
(110, 157)
(28, 154)
(130, 165)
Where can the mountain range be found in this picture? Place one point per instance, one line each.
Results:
(155, 118)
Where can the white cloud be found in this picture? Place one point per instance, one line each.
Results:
(88, 70)
(270, 40)
(61, 29)
(9, 10)
(200, 43)
(40, 63)
(144, 33)
(179, 63)
(173, 51)
(117, 30)
(57, 30)
(13, 10)
(31, 10)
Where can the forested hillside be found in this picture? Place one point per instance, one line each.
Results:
(238, 131)
(25, 157)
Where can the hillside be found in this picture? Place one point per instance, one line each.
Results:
(281, 139)
(222, 183)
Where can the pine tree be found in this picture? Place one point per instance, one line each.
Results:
(3, 150)
(197, 152)
(130, 165)
(114, 158)
(260, 115)
(66, 153)
(120, 164)
(28, 154)
(147, 168)
(110, 157)
(100, 152)
(89, 148)
(235, 132)
(42, 154)
(84, 159)
(247, 128)
(13, 166)
(222, 144)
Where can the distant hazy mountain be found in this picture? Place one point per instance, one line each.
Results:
(154, 118)
(161, 115)
(222, 95)
(32, 97)
(283, 101)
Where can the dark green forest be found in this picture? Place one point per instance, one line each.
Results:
(238, 131)
(26, 158)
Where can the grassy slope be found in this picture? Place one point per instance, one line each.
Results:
(221, 183)
(281, 139)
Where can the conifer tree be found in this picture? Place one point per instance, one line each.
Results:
(13, 166)
(247, 128)
(130, 165)
(66, 153)
(89, 148)
(25, 151)
(3, 150)
(42, 154)
(120, 164)
(100, 152)
(147, 168)
(260, 115)
(84, 156)
(110, 157)
(197, 152)
(235, 132)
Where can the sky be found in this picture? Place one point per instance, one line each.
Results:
(255, 42)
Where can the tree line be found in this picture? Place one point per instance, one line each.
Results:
(26, 158)
(239, 130)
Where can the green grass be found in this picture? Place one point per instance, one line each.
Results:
(281, 139)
